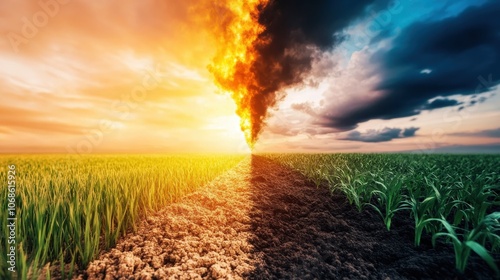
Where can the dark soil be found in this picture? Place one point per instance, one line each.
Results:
(304, 232)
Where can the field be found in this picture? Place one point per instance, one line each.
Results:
(68, 208)
(264, 216)
(448, 197)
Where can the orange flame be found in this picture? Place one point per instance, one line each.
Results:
(237, 33)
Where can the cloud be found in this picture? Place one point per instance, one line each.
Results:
(410, 132)
(305, 108)
(441, 103)
(490, 133)
(481, 99)
(428, 59)
(282, 130)
(384, 135)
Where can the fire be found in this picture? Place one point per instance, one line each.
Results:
(237, 34)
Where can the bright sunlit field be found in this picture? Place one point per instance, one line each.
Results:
(69, 208)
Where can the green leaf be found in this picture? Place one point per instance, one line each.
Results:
(483, 253)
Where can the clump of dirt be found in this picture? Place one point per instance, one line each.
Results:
(264, 221)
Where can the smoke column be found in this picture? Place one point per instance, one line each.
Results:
(267, 46)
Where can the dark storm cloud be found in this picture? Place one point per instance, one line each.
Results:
(384, 135)
(491, 133)
(410, 132)
(479, 100)
(431, 59)
(441, 103)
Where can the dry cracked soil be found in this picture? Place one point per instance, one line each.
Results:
(261, 220)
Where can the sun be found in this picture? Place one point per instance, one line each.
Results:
(228, 127)
(232, 127)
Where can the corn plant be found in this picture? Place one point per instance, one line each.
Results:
(388, 199)
(438, 203)
(478, 199)
(316, 174)
(354, 186)
(488, 228)
(419, 211)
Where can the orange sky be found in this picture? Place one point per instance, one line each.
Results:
(70, 69)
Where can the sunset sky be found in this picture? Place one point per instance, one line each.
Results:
(134, 76)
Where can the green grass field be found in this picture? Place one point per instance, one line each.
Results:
(451, 197)
(69, 208)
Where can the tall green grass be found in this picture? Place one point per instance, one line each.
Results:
(69, 208)
(448, 196)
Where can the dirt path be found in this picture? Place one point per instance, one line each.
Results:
(263, 221)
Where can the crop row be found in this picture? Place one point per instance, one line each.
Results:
(70, 208)
(454, 198)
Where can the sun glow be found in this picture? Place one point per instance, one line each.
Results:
(228, 127)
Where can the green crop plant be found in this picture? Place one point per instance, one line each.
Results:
(316, 174)
(353, 184)
(388, 198)
(487, 228)
(478, 196)
(437, 202)
(419, 211)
